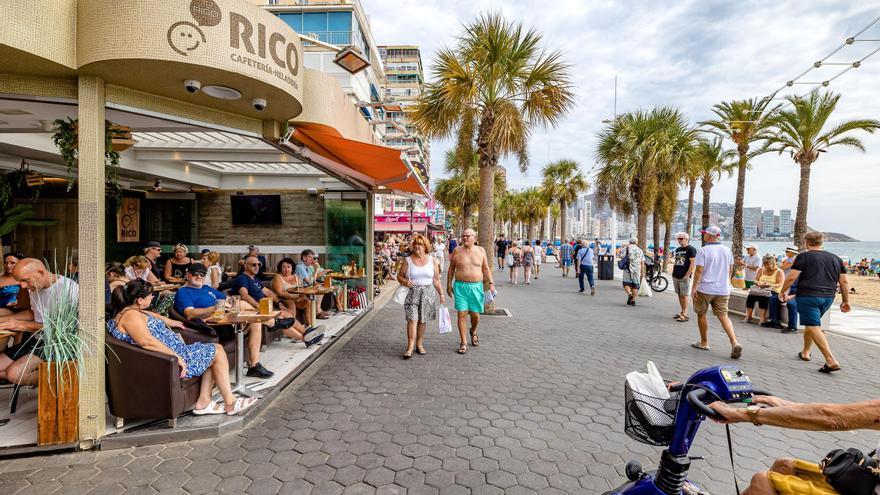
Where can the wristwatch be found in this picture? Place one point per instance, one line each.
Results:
(752, 411)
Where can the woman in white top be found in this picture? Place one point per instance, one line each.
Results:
(214, 276)
(419, 272)
(440, 252)
(139, 267)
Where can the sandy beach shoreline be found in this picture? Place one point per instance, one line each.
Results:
(867, 291)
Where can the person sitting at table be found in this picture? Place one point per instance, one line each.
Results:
(211, 259)
(20, 364)
(175, 267)
(255, 252)
(285, 279)
(134, 325)
(139, 267)
(309, 271)
(9, 288)
(152, 251)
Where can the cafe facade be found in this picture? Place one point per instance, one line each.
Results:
(224, 140)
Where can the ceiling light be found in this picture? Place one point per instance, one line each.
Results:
(222, 92)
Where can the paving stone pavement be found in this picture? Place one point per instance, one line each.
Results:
(536, 408)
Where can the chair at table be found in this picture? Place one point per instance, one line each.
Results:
(144, 384)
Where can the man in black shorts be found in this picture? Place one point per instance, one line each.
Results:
(501, 249)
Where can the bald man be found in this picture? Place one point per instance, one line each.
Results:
(19, 364)
(467, 278)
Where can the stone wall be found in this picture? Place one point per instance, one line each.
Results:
(302, 217)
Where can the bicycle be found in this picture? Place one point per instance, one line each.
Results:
(655, 278)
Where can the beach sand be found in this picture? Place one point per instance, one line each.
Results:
(867, 291)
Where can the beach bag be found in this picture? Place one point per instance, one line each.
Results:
(400, 294)
(738, 280)
(508, 260)
(445, 320)
(623, 264)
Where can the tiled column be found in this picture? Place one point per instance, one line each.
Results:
(92, 420)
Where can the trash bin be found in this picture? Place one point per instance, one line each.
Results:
(606, 267)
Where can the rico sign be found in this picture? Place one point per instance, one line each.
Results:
(282, 52)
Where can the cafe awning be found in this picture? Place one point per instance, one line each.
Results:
(386, 168)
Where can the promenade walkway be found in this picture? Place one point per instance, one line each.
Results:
(536, 408)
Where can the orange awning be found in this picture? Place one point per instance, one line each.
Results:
(385, 166)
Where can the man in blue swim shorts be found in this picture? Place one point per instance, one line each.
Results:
(468, 271)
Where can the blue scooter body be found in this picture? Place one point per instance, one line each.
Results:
(724, 383)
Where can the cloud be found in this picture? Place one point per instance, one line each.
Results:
(688, 54)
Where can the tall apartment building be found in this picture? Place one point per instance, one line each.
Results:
(751, 221)
(404, 79)
(767, 227)
(342, 23)
(786, 225)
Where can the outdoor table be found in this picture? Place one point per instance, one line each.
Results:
(313, 304)
(164, 287)
(345, 279)
(239, 322)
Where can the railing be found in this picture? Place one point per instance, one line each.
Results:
(340, 38)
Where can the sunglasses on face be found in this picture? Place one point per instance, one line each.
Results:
(197, 275)
(254, 264)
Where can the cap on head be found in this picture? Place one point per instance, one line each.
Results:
(197, 269)
(714, 231)
(153, 244)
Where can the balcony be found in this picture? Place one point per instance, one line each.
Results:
(339, 38)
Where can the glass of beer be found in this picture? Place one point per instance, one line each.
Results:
(235, 305)
(219, 309)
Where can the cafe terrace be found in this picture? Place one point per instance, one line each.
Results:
(206, 101)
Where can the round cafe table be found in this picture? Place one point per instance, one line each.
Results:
(239, 322)
(313, 304)
(345, 279)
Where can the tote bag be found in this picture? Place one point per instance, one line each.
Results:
(402, 291)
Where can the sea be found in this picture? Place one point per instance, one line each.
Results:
(854, 250)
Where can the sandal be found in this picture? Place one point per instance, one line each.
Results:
(683, 319)
(421, 350)
(697, 345)
(241, 404)
(801, 357)
(212, 408)
(828, 369)
(407, 354)
(475, 341)
(462, 349)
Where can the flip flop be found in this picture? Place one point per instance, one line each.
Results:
(212, 408)
(697, 345)
(736, 352)
(683, 319)
(677, 317)
(801, 357)
(241, 404)
(828, 369)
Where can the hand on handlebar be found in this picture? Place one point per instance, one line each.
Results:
(770, 401)
(727, 415)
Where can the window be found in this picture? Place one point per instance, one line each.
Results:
(293, 20)
(314, 22)
(339, 21)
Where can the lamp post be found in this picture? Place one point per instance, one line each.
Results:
(411, 208)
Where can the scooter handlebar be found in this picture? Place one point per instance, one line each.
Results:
(695, 398)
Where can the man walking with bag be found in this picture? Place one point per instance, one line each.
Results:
(712, 288)
(584, 266)
(468, 270)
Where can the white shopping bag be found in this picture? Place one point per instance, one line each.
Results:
(489, 296)
(650, 383)
(400, 295)
(645, 289)
(445, 320)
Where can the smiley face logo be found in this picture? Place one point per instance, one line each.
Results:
(185, 37)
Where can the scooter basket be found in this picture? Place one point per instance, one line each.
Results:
(649, 419)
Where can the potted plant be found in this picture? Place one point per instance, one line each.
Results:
(116, 138)
(62, 348)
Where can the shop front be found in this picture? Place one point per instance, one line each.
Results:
(210, 98)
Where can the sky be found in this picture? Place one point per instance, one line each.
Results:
(690, 55)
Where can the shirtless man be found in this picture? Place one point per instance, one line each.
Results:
(468, 271)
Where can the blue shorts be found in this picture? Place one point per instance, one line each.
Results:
(811, 308)
(566, 262)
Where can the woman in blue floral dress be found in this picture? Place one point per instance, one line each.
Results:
(133, 325)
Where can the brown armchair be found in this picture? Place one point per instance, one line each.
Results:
(198, 331)
(144, 384)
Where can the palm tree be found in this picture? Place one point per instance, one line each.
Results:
(712, 161)
(554, 214)
(534, 207)
(563, 181)
(460, 192)
(801, 131)
(491, 90)
(745, 123)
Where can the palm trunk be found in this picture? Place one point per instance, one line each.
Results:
(543, 227)
(706, 185)
(800, 222)
(740, 200)
(642, 229)
(690, 215)
(563, 220)
(466, 212)
(655, 223)
(487, 159)
(667, 237)
(531, 226)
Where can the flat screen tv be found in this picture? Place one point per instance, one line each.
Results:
(256, 210)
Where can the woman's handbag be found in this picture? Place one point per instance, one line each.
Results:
(402, 291)
(623, 264)
(851, 472)
(760, 291)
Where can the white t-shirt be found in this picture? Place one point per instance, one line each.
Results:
(439, 249)
(130, 273)
(44, 301)
(751, 261)
(716, 260)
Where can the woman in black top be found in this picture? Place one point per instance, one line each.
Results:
(176, 266)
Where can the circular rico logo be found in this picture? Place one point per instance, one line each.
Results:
(185, 36)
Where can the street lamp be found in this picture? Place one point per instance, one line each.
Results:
(349, 58)
(411, 206)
